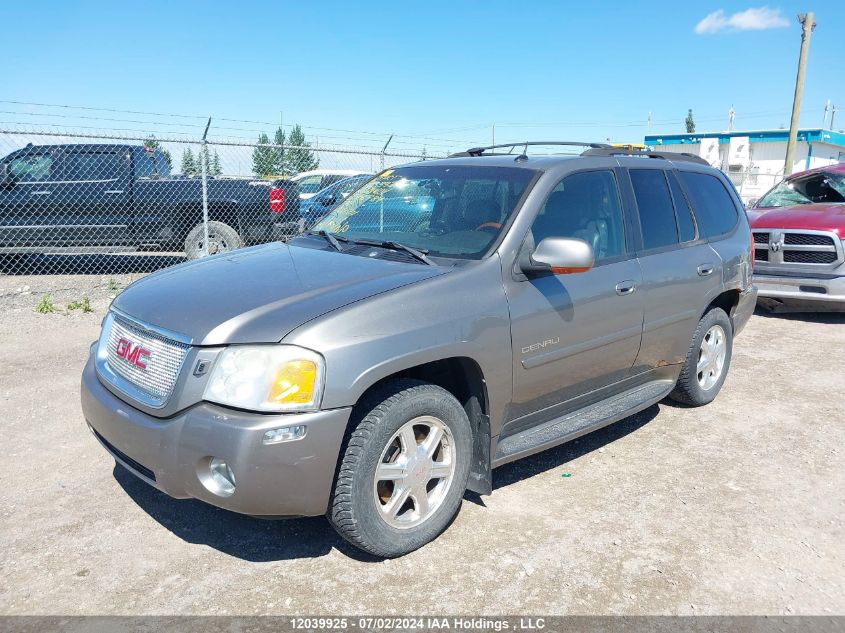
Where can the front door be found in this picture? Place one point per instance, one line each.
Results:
(573, 334)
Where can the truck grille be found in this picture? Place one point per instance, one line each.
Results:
(156, 372)
(805, 248)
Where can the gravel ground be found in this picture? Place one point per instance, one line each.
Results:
(734, 508)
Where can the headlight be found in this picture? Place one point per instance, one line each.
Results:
(267, 378)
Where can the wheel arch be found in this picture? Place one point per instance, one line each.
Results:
(463, 377)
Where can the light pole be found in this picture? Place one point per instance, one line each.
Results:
(808, 23)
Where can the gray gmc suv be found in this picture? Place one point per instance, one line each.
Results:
(448, 317)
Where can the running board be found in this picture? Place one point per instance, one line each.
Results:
(577, 423)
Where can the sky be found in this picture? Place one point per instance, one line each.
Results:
(439, 74)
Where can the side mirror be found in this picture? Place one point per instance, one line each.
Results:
(750, 204)
(560, 256)
(328, 201)
(5, 177)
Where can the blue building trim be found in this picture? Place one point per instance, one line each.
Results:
(756, 136)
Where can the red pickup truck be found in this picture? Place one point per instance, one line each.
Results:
(799, 241)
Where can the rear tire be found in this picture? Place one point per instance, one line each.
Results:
(222, 238)
(707, 362)
(404, 469)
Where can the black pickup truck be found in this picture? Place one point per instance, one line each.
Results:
(110, 198)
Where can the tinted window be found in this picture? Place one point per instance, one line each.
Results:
(714, 207)
(686, 224)
(93, 166)
(585, 206)
(144, 166)
(657, 215)
(31, 168)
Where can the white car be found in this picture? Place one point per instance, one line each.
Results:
(310, 182)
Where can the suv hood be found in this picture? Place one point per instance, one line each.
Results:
(260, 294)
(817, 217)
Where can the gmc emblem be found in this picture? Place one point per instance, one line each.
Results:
(134, 355)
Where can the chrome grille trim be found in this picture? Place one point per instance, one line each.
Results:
(154, 385)
(797, 249)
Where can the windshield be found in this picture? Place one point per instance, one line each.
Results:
(446, 211)
(815, 188)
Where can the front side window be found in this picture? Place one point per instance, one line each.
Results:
(31, 168)
(584, 206)
(654, 203)
(714, 208)
(448, 211)
(820, 187)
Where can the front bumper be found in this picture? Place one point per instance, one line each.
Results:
(288, 479)
(819, 289)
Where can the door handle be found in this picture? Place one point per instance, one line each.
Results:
(114, 192)
(625, 287)
(41, 193)
(705, 269)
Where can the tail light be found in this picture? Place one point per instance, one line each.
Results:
(277, 200)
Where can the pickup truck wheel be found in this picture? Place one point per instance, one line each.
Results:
(709, 357)
(222, 238)
(404, 469)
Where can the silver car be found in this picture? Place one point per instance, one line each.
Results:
(448, 317)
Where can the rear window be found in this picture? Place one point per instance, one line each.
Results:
(713, 205)
(657, 215)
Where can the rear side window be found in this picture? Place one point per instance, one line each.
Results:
(657, 215)
(93, 166)
(714, 207)
(686, 225)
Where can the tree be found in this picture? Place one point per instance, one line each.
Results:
(216, 169)
(152, 142)
(263, 157)
(299, 155)
(189, 167)
(689, 122)
(279, 160)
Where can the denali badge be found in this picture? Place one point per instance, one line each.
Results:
(135, 355)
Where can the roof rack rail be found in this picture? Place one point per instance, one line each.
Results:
(479, 151)
(621, 151)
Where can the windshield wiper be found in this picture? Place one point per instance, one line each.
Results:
(331, 238)
(418, 254)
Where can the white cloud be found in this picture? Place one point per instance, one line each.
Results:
(748, 20)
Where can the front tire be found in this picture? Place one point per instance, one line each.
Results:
(707, 362)
(404, 469)
(222, 238)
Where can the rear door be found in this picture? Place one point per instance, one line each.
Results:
(92, 198)
(680, 270)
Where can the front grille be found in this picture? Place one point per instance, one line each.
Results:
(136, 466)
(779, 247)
(808, 257)
(806, 239)
(162, 365)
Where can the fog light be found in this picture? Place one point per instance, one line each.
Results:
(222, 476)
(284, 434)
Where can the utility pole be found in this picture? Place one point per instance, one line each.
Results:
(494, 133)
(832, 115)
(808, 23)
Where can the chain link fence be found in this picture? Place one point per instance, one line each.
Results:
(104, 203)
